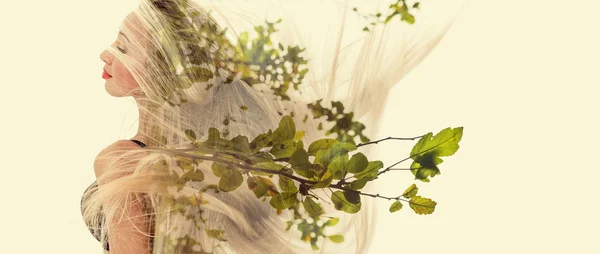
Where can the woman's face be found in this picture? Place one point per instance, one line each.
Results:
(129, 45)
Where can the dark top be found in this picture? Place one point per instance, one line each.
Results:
(96, 232)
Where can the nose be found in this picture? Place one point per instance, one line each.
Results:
(106, 57)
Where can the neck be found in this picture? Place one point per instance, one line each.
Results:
(141, 134)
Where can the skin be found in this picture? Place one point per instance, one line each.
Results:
(124, 234)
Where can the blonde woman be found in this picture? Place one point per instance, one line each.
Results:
(188, 82)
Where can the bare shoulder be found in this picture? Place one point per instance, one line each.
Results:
(112, 152)
(123, 144)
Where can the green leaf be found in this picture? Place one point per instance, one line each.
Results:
(217, 234)
(240, 144)
(283, 200)
(299, 159)
(411, 191)
(260, 186)
(408, 18)
(352, 197)
(337, 167)
(191, 135)
(357, 163)
(325, 157)
(336, 238)
(445, 143)
(312, 207)
(340, 203)
(324, 182)
(371, 171)
(359, 184)
(232, 181)
(396, 206)
(284, 150)
(185, 163)
(331, 222)
(299, 135)
(194, 176)
(320, 144)
(347, 146)
(261, 141)
(285, 131)
(220, 170)
(287, 186)
(422, 205)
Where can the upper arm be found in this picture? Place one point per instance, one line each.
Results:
(128, 228)
(129, 234)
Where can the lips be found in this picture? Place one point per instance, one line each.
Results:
(105, 75)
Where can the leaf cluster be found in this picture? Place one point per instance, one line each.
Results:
(400, 8)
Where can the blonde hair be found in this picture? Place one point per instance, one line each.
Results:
(176, 36)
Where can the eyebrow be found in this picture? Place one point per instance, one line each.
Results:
(121, 33)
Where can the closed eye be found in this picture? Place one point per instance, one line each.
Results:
(122, 50)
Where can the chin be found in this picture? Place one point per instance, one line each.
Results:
(114, 92)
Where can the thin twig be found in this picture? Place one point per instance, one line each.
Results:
(388, 138)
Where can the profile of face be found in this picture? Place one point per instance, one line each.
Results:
(129, 44)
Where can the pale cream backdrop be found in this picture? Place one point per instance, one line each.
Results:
(520, 76)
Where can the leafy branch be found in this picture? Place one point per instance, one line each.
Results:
(325, 164)
(276, 165)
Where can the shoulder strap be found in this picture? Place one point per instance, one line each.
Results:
(139, 143)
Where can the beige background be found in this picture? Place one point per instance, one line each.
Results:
(520, 76)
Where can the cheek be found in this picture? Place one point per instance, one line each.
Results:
(124, 77)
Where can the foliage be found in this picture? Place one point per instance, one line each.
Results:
(400, 8)
(259, 61)
(325, 164)
(276, 165)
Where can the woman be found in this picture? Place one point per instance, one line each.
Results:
(186, 78)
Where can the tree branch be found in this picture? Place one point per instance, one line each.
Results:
(335, 186)
(388, 138)
(338, 185)
(243, 166)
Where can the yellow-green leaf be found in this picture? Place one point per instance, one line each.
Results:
(217, 234)
(395, 206)
(411, 191)
(422, 205)
(357, 163)
(340, 203)
(445, 143)
(288, 185)
(285, 131)
(232, 181)
(371, 171)
(283, 200)
(321, 144)
(194, 176)
(336, 238)
(331, 222)
(299, 159)
(312, 207)
(284, 150)
(299, 135)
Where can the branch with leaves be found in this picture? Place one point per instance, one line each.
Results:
(277, 166)
(324, 164)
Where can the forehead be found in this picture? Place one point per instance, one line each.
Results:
(131, 26)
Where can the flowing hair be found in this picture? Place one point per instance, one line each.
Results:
(195, 88)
